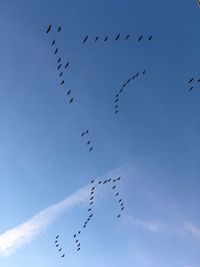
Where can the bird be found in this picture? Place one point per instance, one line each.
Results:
(114, 186)
(114, 180)
(83, 134)
(137, 74)
(96, 39)
(117, 99)
(128, 81)
(190, 80)
(123, 85)
(122, 205)
(79, 232)
(105, 182)
(67, 65)
(116, 106)
(117, 194)
(71, 100)
(99, 182)
(109, 180)
(62, 82)
(60, 249)
(84, 226)
(89, 209)
(76, 240)
(59, 66)
(57, 236)
(59, 29)
(117, 37)
(191, 88)
(133, 77)
(117, 95)
(91, 203)
(91, 148)
(198, 80)
(121, 90)
(127, 36)
(91, 198)
(68, 92)
(93, 188)
(61, 74)
(150, 37)
(92, 181)
(116, 110)
(88, 142)
(122, 208)
(118, 178)
(74, 235)
(78, 245)
(118, 216)
(140, 38)
(91, 215)
(59, 60)
(86, 37)
(49, 28)
(78, 249)
(53, 42)
(144, 72)
(87, 132)
(56, 241)
(88, 219)
(63, 255)
(55, 52)
(120, 200)
(57, 245)
(106, 38)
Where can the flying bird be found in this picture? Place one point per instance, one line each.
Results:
(198, 80)
(49, 28)
(53, 42)
(57, 245)
(128, 81)
(78, 249)
(59, 60)
(127, 36)
(122, 208)
(117, 194)
(88, 142)
(74, 235)
(96, 39)
(117, 37)
(99, 182)
(121, 90)
(114, 187)
(76, 240)
(114, 180)
(59, 29)
(83, 134)
(91, 215)
(63, 255)
(190, 80)
(56, 51)
(61, 74)
(117, 99)
(62, 82)
(87, 132)
(133, 77)
(92, 181)
(106, 38)
(137, 74)
(67, 65)
(93, 188)
(118, 216)
(116, 106)
(68, 92)
(86, 37)
(144, 72)
(79, 232)
(59, 66)
(78, 245)
(191, 88)
(91, 148)
(116, 110)
(60, 249)
(89, 209)
(109, 180)
(122, 205)
(56, 241)
(120, 200)
(57, 236)
(91, 198)
(149, 39)
(91, 203)
(140, 38)
(105, 182)
(118, 178)
(71, 100)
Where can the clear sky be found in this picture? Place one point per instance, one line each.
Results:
(153, 141)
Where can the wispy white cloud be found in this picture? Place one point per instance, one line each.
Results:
(25, 232)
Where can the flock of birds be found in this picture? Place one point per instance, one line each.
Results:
(85, 135)
(117, 37)
(191, 83)
(60, 65)
(113, 183)
(124, 86)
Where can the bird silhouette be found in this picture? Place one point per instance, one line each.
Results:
(140, 38)
(122, 208)
(91, 149)
(89, 209)
(144, 72)
(55, 52)
(60, 249)
(88, 142)
(190, 80)
(57, 236)
(61, 74)
(62, 82)
(59, 66)
(116, 100)
(56, 241)
(53, 42)
(78, 245)
(117, 37)
(59, 29)
(106, 38)
(86, 37)
(118, 178)
(49, 28)
(74, 235)
(198, 80)
(68, 92)
(71, 100)
(127, 36)
(117, 194)
(67, 65)
(78, 249)
(99, 182)
(191, 88)
(87, 132)
(114, 180)
(63, 255)
(118, 216)
(150, 37)
(59, 60)
(117, 95)
(92, 181)
(57, 245)
(114, 187)
(76, 240)
(91, 203)
(79, 232)
(109, 180)
(93, 188)
(96, 39)
(116, 110)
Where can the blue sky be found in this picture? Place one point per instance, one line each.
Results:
(153, 142)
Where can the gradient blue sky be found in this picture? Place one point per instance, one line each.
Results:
(153, 143)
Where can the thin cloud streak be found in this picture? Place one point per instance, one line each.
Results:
(25, 232)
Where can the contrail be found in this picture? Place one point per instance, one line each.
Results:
(25, 232)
